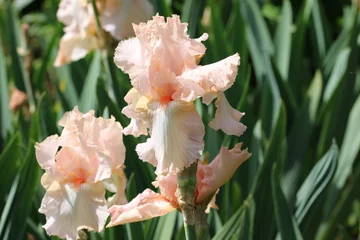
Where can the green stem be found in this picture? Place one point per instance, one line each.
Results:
(202, 227)
(186, 198)
(104, 53)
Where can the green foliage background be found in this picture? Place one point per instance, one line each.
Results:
(298, 82)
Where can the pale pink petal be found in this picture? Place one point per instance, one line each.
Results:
(129, 55)
(107, 139)
(146, 152)
(209, 97)
(116, 184)
(74, 46)
(217, 76)
(176, 136)
(167, 185)
(77, 166)
(162, 81)
(220, 170)
(227, 118)
(46, 180)
(139, 113)
(136, 128)
(189, 91)
(145, 206)
(117, 16)
(74, 14)
(68, 211)
(46, 151)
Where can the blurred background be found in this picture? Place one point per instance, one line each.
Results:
(298, 83)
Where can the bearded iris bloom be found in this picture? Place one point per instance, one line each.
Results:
(162, 62)
(80, 165)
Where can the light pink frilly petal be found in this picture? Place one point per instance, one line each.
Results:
(74, 14)
(135, 128)
(139, 113)
(107, 139)
(77, 166)
(176, 136)
(46, 151)
(227, 118)
(214, 77)
(117, 16)
(129, 55)
(74, 46)
(68, 211)
(189, 91)
(145, 206)
(167, 185)
(116, 184)
(146, 151)
(131, 58)
(220, 170)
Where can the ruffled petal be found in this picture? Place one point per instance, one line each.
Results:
(167, 185)
(139, 113)
(189, 91)
(73, 165)
(74, 14)
(68, 211)
(220, 170)
(146, 152)
(176, 136)
(116, 184)
(214, 77)
(129, 55)
(107, 139)
(74, 46)
(117, 16)
(46, 151)
(145, 206)
(227, 118)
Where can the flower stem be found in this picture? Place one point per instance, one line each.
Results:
(186, 198)
(202, 227)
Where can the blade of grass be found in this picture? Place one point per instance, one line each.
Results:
(285, 222)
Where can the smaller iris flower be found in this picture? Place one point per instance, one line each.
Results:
(80, 165)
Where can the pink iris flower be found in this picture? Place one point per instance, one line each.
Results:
(80, 165)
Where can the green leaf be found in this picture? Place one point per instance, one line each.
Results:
(299, 137)
(261, 48)
(165, 226)
(191, 13)
(163, 7)
(337, 74)
(21, 78)
(315, 183)
(350, 147)
(87, 99)
(262, 189)
(10, 161)
(287, 226)
(283, 40)
(5, 114)
(21, 204)
(240, 225)
(340, 211)
(320, 33)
